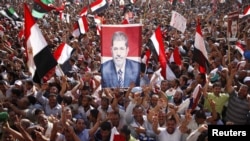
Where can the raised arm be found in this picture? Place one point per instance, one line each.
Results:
(15, 133)
(230, 78)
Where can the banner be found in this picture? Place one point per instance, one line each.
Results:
(121, 61)
(232, 30)
(178, 21)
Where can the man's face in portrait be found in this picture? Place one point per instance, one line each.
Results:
(119, 52)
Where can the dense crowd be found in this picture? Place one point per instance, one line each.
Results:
(74, 107)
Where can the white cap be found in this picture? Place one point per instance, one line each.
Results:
(246, 79)
(18, 82)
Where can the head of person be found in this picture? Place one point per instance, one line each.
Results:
(115, 118)
(23, 103)
(85, 101)
(29, 84)
(138, 113)
(217, 88)
(154, 100)
(201, 78)
(105, 129)
(52, 100)
(171, 124)
(164, 85)
(243, 91)
(119, 48)
(104, 103)
(125, 132)
(93, 115)
(85, 90)
(53, 89)
(200, 116)
(178, 96)
(80, 125)
(43, 121)
(161, 117)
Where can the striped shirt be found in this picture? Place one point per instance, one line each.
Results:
(237, 109)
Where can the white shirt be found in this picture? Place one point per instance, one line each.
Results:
(164, 135)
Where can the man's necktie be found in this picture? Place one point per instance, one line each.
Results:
(120, 79)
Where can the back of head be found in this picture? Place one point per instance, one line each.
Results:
(105, 126)
(125, 130)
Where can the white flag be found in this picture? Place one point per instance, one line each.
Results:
(178, 21)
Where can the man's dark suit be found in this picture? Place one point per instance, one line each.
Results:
(110, 78)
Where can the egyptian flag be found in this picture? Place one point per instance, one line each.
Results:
(196, 97)
(98, 21)
(157, 46)
(65, 17)
(63, 53)
(39, 58)
(76, 31)
(200, 53)
(83, 25)
(175, 57)
(98, 6)
(145, 58)
(247, 11)
(240, 48)
(41, 7)
(84, 11)
(80, 27)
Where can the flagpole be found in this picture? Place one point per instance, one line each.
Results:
(228, 46)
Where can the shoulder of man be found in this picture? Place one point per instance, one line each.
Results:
(132, 62)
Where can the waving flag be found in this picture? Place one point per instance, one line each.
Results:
(196, 97)
(41, 7)
(158, 47)
(80, 27)
(240, 48)
(84, 11)
(200, 52)
(83, 25)
(39, 58)
(175, 57)
(247, 11)
(98, 6)
(11, 14)
(63, 53)
(76, 31)
(98, 20)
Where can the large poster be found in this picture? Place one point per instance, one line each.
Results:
(233, 26)
(121, 48)
(178, 21)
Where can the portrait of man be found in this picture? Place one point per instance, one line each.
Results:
(120, 71)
